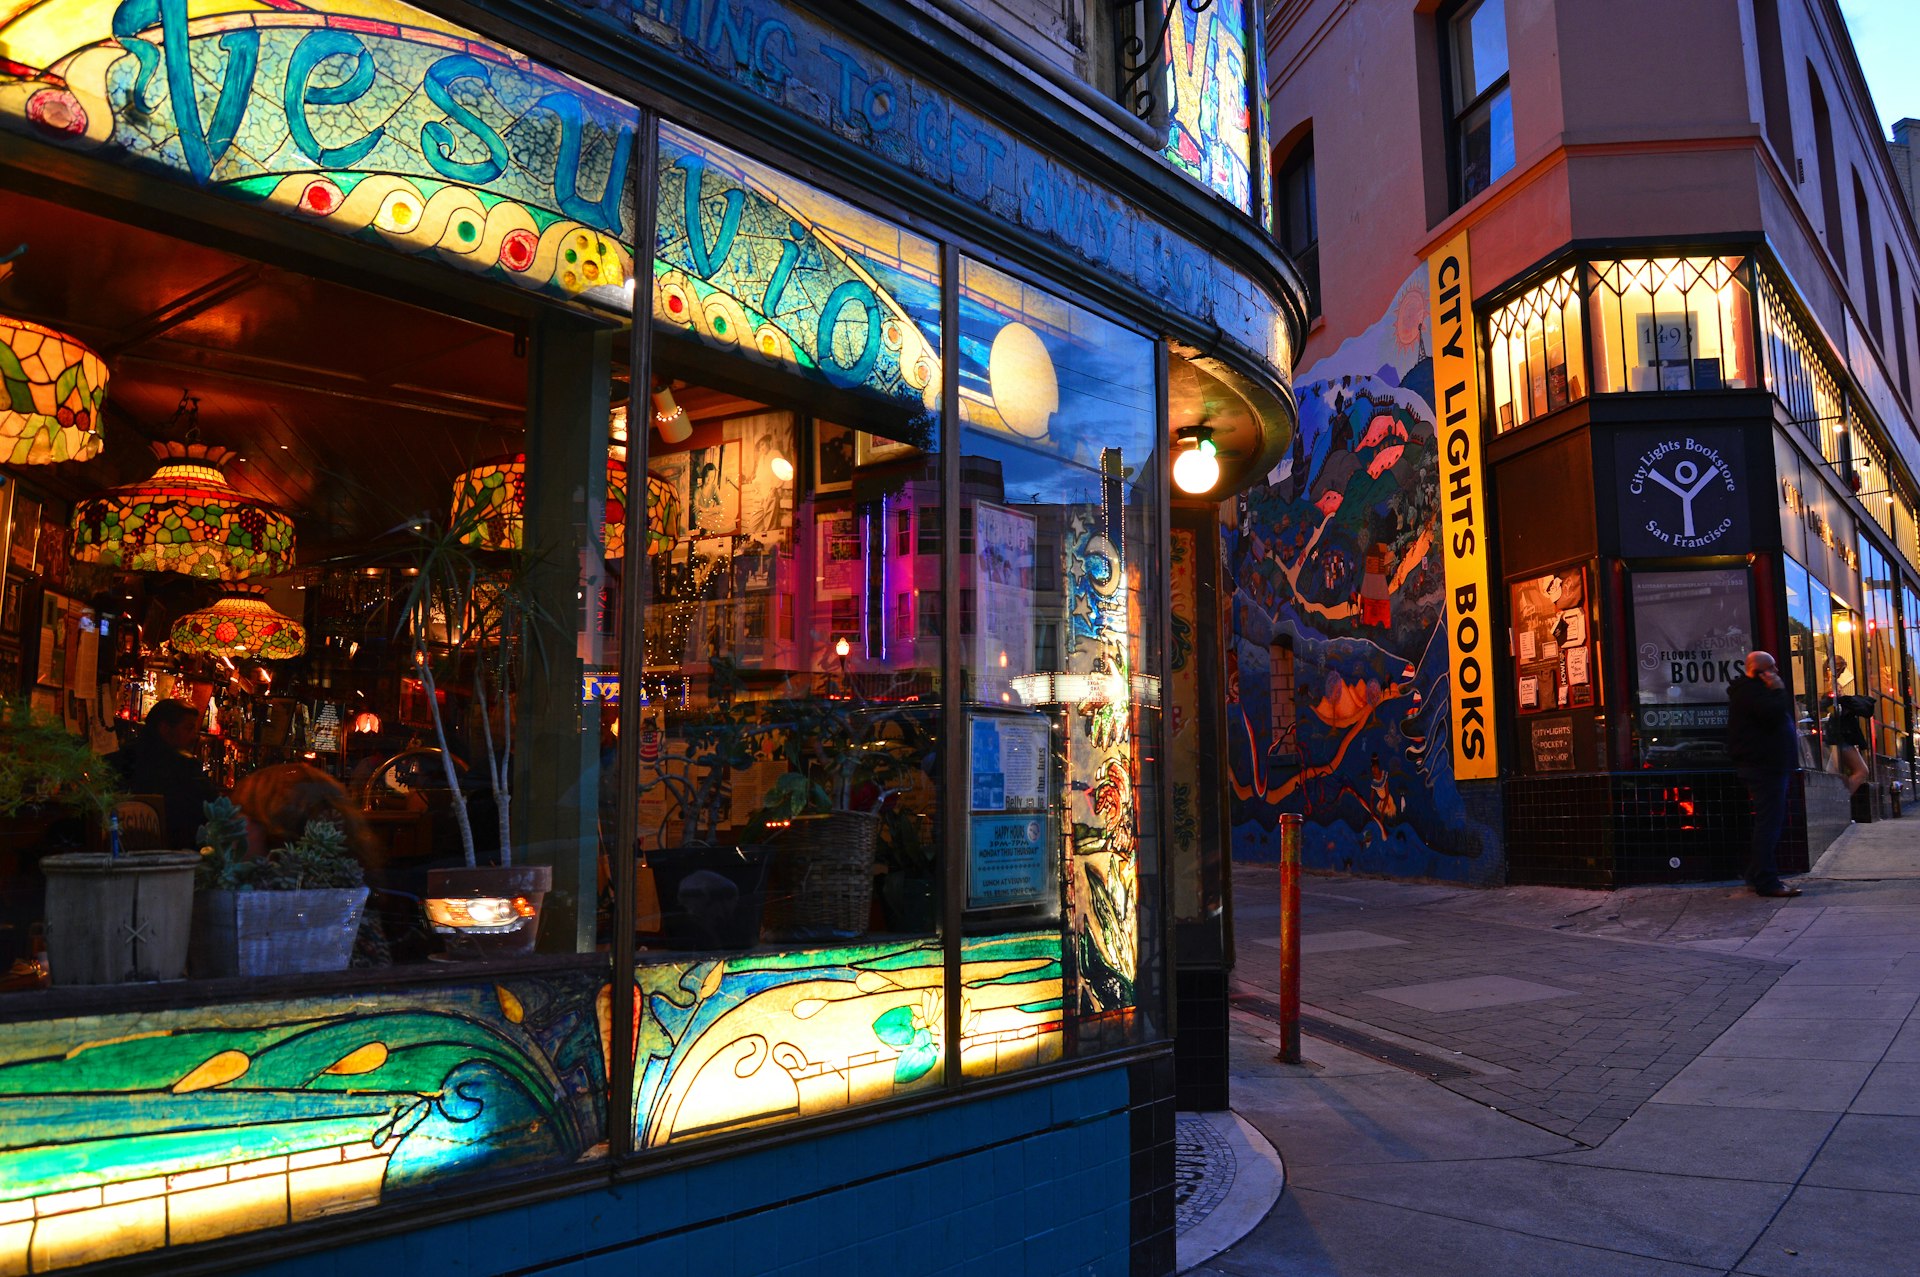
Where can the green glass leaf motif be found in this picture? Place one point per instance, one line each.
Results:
(895, 1028)
(916, 1061)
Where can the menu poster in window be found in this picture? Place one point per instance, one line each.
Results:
(1009, 858)
(1553, 656)
(1003, 575)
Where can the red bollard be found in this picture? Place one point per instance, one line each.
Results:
(1290, 938)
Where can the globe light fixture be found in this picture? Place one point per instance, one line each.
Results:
(51, 391)
(1197, 469)
(187, 518)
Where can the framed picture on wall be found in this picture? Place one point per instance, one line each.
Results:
(833, 458)
(12, 598)
(23, 539)
(872, 449)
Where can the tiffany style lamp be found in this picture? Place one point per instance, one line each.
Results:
(240, 624)
(53, 390)
(493, 498)
(187, 518)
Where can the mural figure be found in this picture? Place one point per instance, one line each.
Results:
(1335, 554)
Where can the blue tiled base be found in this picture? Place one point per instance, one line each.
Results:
(1037, 1181)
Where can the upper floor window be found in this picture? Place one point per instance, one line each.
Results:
(1671, 323)
(1296, 200)
(1864, 216)
(1836, 233)
(1480, 108)
(1537, 357)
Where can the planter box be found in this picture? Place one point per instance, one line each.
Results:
(708, 897)
(112, 919)
(255, 933)
(487, 911)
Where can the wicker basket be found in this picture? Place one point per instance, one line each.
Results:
(821, 881)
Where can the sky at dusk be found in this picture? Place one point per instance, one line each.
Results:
(1886, 33)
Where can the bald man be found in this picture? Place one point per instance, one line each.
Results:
(1765, 748)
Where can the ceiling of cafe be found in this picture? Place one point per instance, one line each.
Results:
(351, 411)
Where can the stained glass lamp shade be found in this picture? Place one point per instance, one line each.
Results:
(53, 390)
(493, 497)
(240, 624)
(187, 518)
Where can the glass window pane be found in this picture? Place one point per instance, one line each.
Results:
(1693, 631)
(1480, 48)
(1801, 658)
(1060, 428)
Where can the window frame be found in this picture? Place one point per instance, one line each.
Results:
(1448, 23)
(1303, 253)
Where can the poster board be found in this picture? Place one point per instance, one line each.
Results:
(1010, 830)
(1003, 581)
(1555, 661)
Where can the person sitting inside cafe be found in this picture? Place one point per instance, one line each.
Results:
(160, 760)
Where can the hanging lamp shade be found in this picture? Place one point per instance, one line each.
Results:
(492, 497)
(51, 391)
(187, 518)
(242, 623)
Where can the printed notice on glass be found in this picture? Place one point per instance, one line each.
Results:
(1009, 762)
(1009, 843)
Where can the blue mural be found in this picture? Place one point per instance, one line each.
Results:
(1335, 554)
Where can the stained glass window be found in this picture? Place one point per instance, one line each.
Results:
(751, 260)
(1209, 133)
(385, 123)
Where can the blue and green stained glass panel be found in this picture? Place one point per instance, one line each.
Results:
(378, 121)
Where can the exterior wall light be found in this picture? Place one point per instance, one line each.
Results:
(1197, 469)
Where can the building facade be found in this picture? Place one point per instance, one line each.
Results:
(1609, 381)
(725, 718)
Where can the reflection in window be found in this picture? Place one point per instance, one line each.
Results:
(1799, 660)
(1675, 323)
(1798, 376)
(1538, 356)
(1061, 442)
(1481, 101)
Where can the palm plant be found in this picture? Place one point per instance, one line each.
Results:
(469, 599)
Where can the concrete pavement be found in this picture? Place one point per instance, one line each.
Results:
(1530, 1081)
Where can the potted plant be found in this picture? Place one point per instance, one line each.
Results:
(111, 916)
(292, 911)
(845, 759)
(471, 608)
(710, 895)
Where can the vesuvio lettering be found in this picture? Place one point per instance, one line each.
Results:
(331, 68)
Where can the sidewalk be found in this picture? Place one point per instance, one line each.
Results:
(1529, 1081)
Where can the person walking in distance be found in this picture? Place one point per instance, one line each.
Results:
(1764, 746)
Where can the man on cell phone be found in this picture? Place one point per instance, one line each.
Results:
(1764, 747)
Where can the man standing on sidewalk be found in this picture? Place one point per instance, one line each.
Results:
(1764, 747)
